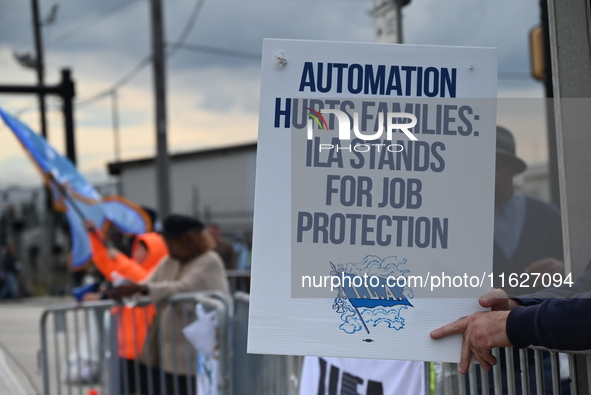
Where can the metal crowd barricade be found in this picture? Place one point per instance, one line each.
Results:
(73, 338)
(543, 377)
(80, 347)
(259, 374)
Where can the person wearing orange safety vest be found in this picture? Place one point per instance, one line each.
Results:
(147, 251)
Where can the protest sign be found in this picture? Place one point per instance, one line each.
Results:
(374, 197)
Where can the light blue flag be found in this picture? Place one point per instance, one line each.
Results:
(82, 199)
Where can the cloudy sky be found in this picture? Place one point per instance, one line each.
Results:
(213, 82)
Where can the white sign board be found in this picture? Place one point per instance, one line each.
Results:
(374, 197)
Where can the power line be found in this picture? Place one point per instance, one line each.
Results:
(174, 46)
(146, 60)
(90, 22)
(218, 51)
(189, 25)
(122, 81)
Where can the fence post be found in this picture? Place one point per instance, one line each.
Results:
(113, 361)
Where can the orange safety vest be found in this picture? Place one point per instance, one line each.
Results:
(133, 321)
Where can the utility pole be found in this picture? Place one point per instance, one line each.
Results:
(40, 65)
(49, 225)
(158, 62)
(66, 90)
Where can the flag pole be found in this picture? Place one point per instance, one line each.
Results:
(66, 196)
(361, 318)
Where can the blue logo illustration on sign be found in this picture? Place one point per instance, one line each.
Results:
(371, 292)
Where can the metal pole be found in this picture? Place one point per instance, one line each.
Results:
(68, 94)
(158, 61)
(40, 65)
(115, 118)
(398, 5)
(48, 238)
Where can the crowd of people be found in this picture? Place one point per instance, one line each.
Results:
(184, 256)
(181, 258)
(188, 256)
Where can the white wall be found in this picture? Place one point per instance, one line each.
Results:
(221, 184)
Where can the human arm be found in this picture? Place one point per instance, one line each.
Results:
(129, 289)
(562, 324)
(108, 260)
(556, 318)
(205, 273)
(129, 268)
(100, 256)
(580, 286)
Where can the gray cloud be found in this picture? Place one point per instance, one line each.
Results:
(109, 37)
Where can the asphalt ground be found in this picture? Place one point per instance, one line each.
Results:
(20, 344)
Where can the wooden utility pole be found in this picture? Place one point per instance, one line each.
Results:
(39, 65)
(159, 71)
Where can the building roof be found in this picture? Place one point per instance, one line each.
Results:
(115, 168)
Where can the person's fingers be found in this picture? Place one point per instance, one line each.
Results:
(458, 326)
(486, 359)
(495, 299)
(483, 362)
(465, 357)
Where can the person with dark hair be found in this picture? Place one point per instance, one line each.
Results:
(192, 266)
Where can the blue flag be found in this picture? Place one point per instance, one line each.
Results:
(82, 199)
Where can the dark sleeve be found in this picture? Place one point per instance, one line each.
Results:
(561, 324)
(579, 287)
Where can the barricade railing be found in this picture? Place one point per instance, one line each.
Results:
(81, 347)
(535, 370)
(72, 340)
(256, 373)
